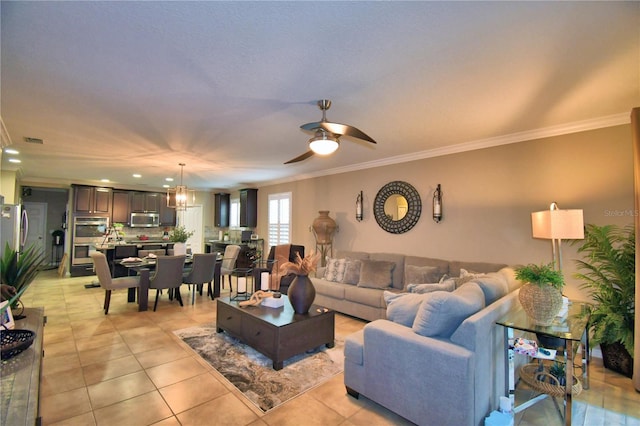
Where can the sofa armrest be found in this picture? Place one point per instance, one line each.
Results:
(416, 375)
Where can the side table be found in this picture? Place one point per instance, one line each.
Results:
(571, 327)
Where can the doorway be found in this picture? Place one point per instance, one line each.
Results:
(37, 214)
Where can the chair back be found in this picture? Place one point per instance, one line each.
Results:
(122, 252)
(230, 257)
(157, 252)
(204, 265)
(168, 272)
(102, 268)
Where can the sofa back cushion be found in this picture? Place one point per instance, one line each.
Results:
(376, 273)
(397, 274)
(442, 312)
(403, 307)
(473, 267)
(348, 254)
(493, 285)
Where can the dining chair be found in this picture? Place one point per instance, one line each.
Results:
(229, 262)
(107, 282)
(202, 272)
(168, 275)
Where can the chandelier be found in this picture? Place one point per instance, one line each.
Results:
(178, 197)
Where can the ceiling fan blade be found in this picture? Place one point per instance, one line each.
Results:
(343, 129)
(301, 157)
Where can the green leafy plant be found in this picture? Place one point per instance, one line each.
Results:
(20, 269)
(608, 273)
(557, 371)
(540, 275)
(179, 234)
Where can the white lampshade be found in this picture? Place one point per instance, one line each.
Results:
(558, 224)
(323, 143)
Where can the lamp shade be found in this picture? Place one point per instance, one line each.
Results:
(558, 224)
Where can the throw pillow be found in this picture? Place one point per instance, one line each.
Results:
(493, 285)
(441, 313)
(465, 277)
(420, 274)
(447, 285)
(376, 273)
(403, 307)
(334, 270)
(352, 271)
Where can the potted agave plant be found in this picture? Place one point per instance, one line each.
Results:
(18, 271)
(608, 274)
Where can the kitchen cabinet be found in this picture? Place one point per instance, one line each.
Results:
(167, 214)
(249, 208)
(91, 200)
(222, 210)
(145, 202)
(121, 210)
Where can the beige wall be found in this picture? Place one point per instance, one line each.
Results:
(488, 197)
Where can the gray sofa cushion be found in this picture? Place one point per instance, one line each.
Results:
(441, 312)
(493, 285)
(398, 271)
(376, 273)
(403, 307)
(421, 274)
(347, 254)
(446, 285)
(352, 271)
(328, 288)
(473, 267)
(366, 296)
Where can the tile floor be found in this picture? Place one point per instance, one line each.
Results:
(128, 368)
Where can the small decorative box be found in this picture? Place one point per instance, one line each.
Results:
(273, 302)
(525, 346)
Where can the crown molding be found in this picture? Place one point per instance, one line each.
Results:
(545, 132)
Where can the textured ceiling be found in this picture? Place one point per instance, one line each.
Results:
(116, 88)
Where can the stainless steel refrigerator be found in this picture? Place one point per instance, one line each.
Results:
(14, 226)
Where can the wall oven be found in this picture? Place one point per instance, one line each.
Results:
(87, 232)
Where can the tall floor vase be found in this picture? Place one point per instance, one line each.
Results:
(301, 294)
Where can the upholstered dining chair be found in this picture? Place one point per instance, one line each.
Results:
(168, 275)
(202, 272)
(229, 263)
(107, 282)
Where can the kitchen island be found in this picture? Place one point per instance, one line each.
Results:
(250, 251)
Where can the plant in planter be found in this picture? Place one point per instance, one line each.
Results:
(557, 371)
(19, 270)
(608, 274)
(179, 235)
(541, 293)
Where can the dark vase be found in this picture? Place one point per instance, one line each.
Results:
(616, 357)
(301, 294)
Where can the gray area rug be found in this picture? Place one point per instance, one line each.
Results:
(252, 373)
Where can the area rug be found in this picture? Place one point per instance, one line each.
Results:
(252, 373)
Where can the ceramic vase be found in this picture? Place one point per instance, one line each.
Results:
(301, 294)
(179, 249)
(324, 227)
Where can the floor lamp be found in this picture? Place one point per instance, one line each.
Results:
(557, 225)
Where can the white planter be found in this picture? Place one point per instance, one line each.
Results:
(179, 249)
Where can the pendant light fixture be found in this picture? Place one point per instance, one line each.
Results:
(178, 197)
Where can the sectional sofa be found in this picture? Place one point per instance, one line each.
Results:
(353, 282)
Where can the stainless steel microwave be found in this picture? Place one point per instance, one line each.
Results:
(145, 220)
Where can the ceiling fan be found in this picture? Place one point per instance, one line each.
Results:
(327, 134)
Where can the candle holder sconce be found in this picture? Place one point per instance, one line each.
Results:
(437, 204)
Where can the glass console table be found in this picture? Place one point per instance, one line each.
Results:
(572, 327)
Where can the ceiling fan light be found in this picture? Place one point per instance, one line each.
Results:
(323, 143)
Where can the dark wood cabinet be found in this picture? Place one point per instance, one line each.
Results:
(92, 200)
(121, 210)
(145, 202)
(167, 214)
(222, 210)
(249, 207)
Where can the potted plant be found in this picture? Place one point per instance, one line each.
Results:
(19, 270)
(179, 235)
(541, 293)
(608, 274)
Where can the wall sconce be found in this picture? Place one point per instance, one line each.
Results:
(359, 207)
(437, 205)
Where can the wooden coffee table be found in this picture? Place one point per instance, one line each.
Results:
(278, 333)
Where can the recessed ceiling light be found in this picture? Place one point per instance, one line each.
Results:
(166, 186)
(11, 151)
(137, 175)
(169, 179)
(14, 160)
(104, 180)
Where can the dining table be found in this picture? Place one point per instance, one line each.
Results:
(143, 268)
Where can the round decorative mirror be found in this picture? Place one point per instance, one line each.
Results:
(397, 207)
